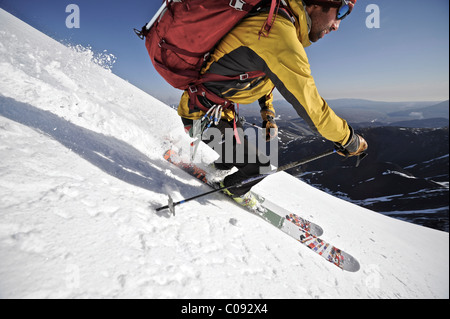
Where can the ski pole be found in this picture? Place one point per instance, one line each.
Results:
(171, 205)
(305, 161)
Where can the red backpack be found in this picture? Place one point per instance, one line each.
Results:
(183, 34)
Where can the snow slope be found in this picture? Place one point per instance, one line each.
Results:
(81, 170)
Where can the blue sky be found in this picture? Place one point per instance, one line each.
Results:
(406, 59)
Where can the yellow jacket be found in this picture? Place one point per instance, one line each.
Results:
(282, 57)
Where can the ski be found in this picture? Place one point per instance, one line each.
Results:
(304, 224)
(295, 226)
(302, 230)
(269, 211)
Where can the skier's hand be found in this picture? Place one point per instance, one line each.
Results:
(269, 124)
(355, 146)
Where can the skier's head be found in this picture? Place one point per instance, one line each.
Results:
(326, 15)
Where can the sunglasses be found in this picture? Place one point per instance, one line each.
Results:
(344, 9)
(344, 6)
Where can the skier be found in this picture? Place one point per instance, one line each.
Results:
(280, 54)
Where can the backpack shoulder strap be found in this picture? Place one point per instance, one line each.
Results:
(274, 8)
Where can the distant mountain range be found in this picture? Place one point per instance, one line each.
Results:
(406, 174)
(434, 111)
(370, 113)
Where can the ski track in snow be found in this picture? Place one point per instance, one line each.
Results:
(81, 172)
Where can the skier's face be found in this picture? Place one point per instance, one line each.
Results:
(323, 21)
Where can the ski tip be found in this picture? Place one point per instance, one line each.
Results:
(168, 154)
(350, 263)
(316, 230)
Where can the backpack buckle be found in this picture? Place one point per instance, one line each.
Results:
(243, 77)
(237, 4)
(193, 89)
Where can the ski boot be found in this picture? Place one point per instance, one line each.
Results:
(247, 200)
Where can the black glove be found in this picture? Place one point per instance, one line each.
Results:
(269, 124)
(355, 146)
